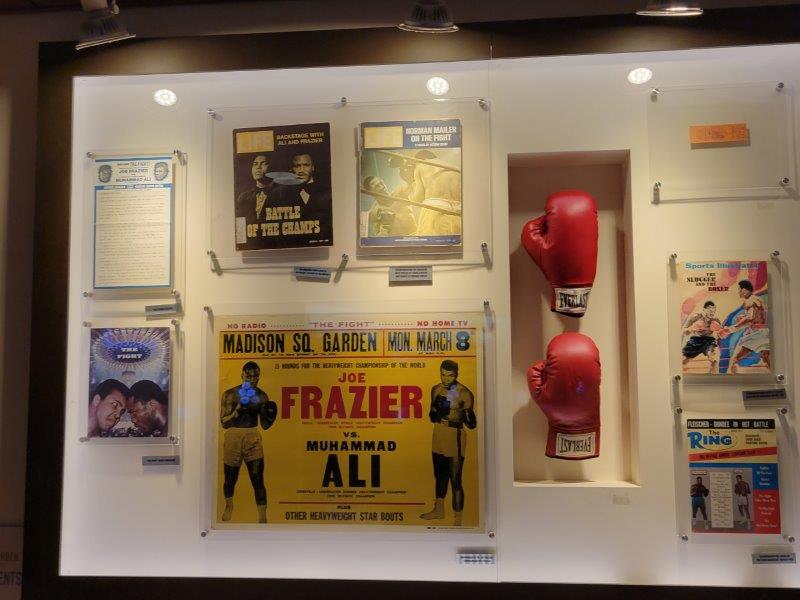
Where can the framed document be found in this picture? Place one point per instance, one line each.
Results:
(361, 421)
(724, 317)
(133, 222)
(130, 382)
(410, 184)
(282, 186)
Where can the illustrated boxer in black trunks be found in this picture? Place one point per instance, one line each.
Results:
(242, 407)
(452, 409)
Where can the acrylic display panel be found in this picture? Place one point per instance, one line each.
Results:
(351, 202)
(721, 142)
(725, 339)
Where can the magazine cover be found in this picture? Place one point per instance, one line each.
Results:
(368, 421)
(129, 382)
(724, 317)
(733, 471)
(410, 184)
(282, 187)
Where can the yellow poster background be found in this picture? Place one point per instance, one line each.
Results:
(352, 441)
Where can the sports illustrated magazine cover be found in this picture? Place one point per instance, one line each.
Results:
(410, 183)
(724, 317)
(367, 421)
(282, 187)
(733, 470)
(129, 382)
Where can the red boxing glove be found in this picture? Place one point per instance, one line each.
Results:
(564, 244)
(566, 387)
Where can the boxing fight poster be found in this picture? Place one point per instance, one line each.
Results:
(724, 317)
(356, 421)
(133, 214)
(282, 187)
(129, 382)
(410, 183)
(733, 471)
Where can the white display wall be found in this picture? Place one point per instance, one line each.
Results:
(613, 523)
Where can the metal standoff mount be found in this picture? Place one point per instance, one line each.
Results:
(684, 537)
(782, 410)
(90, 155)
(87, 294)
(780, 86)
(86, 324)
(204, 533)
(673, 257)
(208, 309)
(83, 439)
(656, 186)
(775, 253)
(654, 94)
(785, 181)
(175, 293)
(483, 103)
(211, 113)
(678, 410)
(789, 538)
(343, 100)
(491, 534)
(174, 439)
(676, 378)
(780, 377)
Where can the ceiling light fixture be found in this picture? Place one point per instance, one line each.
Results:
(165, 97)
(101, 24)
(438, 86)
(640, 76)
(671, 8)
(429, 16)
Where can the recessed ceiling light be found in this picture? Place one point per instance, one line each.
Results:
(640, 75)
(165, 97)
(437, 86)
(670, 9)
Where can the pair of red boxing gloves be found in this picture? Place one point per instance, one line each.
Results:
(566, 385)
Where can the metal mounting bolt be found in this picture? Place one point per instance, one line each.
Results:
(780, 86)
(673, 257)
(86, 294)
(678, 411)
(783, 410)
(207, 309)
(492, 534)
(785, 180)
(343, 100)
(86, 324)
(780, 377)
(677, 377)
(211, 112)
(204, 533)
(90, 155)
(775, 254)
(684, 537)
(483, 103)
(657, 185)
(654, 94)
(173, 438)
(83, 439)
(790, 539)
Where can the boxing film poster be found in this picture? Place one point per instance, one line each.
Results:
(129, 382)
(282, 187)
(733, 472)
(367, 421)
(410, 183)
(724, 310)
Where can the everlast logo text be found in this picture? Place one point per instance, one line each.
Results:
(572, 300)
(577, 445)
